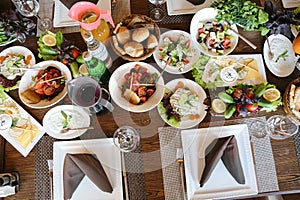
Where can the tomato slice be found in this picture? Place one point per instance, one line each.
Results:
(252, 107)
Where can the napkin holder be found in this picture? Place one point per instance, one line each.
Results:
(9, 184)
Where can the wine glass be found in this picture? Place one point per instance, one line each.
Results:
(126, 138)
(30, 8)
(157, 14)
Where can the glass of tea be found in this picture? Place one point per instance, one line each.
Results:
(86, 92)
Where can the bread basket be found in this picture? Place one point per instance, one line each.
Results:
(134, 22)
(287, 100)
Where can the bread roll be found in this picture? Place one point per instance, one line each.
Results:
(134, 49)
(123, 35)
(117, 47)
(29, 96)
(140, 34)
(152, 42)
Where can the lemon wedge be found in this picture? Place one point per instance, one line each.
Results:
(49, 40)
(83, 70)
(271, 94)
(218, 106)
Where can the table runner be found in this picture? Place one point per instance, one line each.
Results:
(44, 152)
(170, 140)
(297, 145)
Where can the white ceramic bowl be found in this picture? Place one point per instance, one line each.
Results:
(26, 82)
(117, 79)
(175, 34)
(209, 14)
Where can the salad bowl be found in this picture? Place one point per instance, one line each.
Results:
(212, 38)
(177, 46)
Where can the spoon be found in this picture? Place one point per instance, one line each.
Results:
(79, 128)
(227, 24)
(270, 54)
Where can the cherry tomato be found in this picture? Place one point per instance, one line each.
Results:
(226, 41)
(252, 107)
(75, 53)
(237, 93)
(65, 61)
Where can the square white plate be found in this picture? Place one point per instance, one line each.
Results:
(61, 18)
(13, 141)
(182, 7)
(108, 155)
(220, 184)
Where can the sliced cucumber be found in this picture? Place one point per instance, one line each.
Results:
(183, 99)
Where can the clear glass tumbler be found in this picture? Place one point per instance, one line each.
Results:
(126, 138)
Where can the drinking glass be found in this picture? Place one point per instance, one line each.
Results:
(126, 138)
(258, 129)
(30, 8)
(280, 127)
(157, 14)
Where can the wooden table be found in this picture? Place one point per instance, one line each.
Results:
(287, 166)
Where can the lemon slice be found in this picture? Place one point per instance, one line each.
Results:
(83, 70)
(271, 94)
(49, 40)
(218, 106)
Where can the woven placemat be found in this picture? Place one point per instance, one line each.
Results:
(44, 151)
(171, 19)
(170, 140)
(297, 146)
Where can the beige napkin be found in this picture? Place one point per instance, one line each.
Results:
(70, 3)
(226, 149)
(76, 166)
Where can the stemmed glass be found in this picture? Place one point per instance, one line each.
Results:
(126, 138)
(30, 8)
(157, 14)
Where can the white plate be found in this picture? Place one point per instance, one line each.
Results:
(209, 14)
(182, 7)
(290, 3)
(19, 50)
(194, 143)
(261, 69)
(117, 79)
(279, 43)
(173, 69)
(26, 82)
(52, 121)
(61, 18)
(192, 86)
(12, 141)
(109, 157)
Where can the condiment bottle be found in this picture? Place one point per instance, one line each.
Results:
(96, 68)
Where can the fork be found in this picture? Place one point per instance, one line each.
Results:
(179, 159)
(79, 128)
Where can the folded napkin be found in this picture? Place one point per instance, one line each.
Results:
(226, 149)
(196, 2)
(76, 166)
(70, 3)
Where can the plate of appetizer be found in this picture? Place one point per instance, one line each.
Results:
(182, 104)
(236, 165)
(63, 117)
(44, 86)
(135, 88)
(283, 62)
(13, 63)
(243, 99)
(18, 127)
(177, 50)
(213, 72)
(212, 38)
